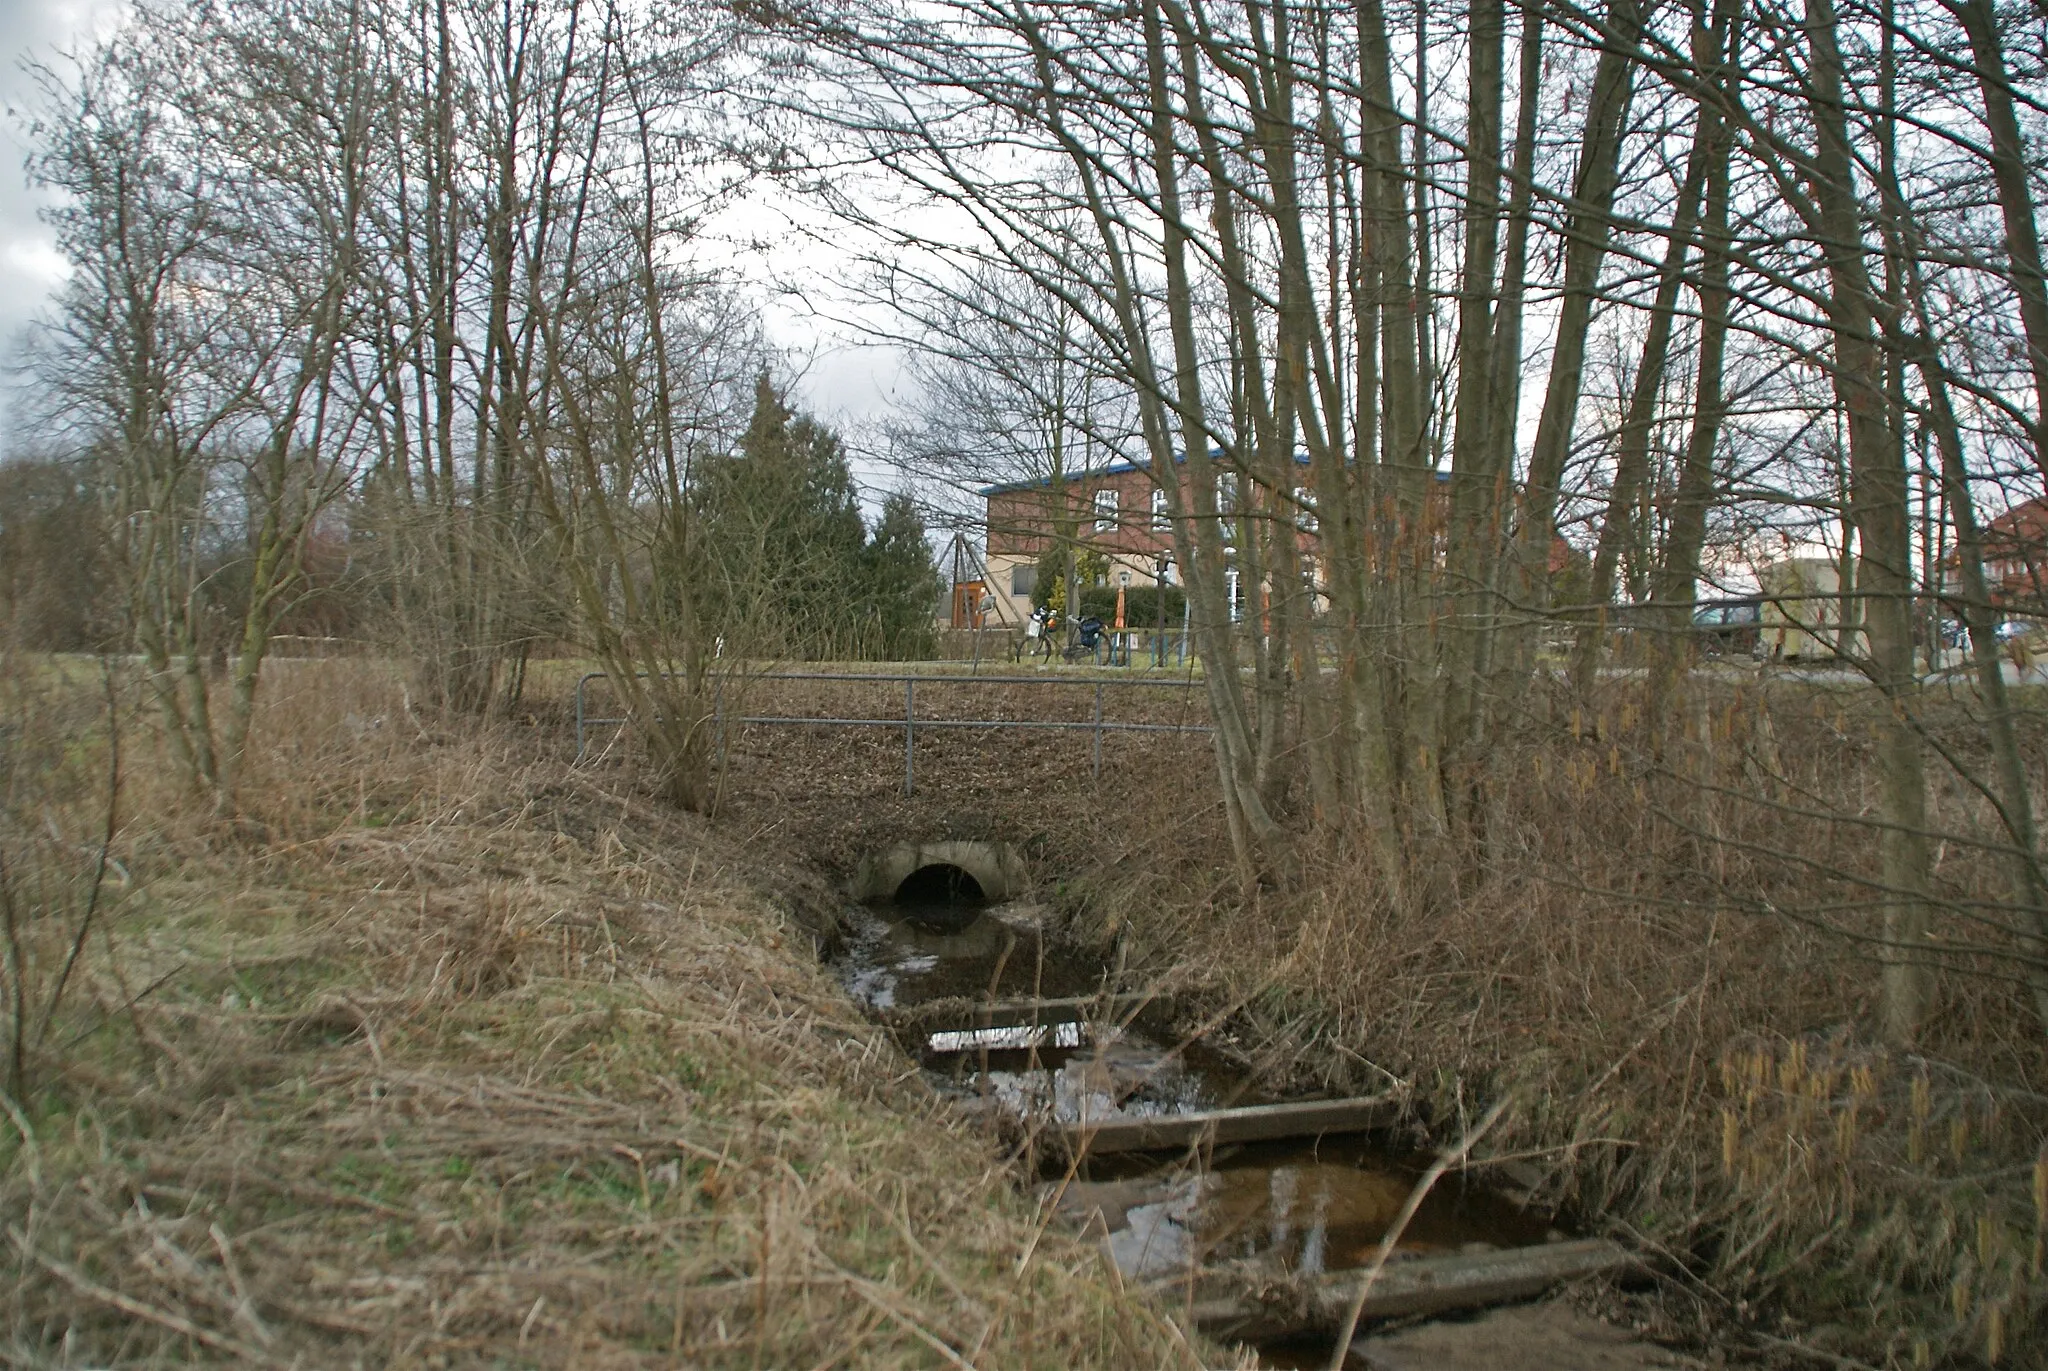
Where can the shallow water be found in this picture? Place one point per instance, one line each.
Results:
(891, 961)
(1304, 1206)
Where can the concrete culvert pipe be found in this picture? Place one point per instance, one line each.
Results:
(939, 883)
(946, 883)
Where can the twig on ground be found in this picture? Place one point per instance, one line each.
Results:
(1800, 1349)
(135, 1308)
(881, 1300)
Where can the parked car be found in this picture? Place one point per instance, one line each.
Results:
(2006, 631)
(1729, 627)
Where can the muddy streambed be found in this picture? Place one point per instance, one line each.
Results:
(1302, 1207)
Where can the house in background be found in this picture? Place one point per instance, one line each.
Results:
(2016, 559)
(1120, 512)
(1804, 614)
(1116, 510)
(2015, 571)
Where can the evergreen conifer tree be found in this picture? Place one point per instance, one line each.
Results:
(903, 583)
(783, 536)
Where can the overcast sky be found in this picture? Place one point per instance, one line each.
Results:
(29, 266)
(849, 386)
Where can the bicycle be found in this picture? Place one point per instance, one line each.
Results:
(1085, 640)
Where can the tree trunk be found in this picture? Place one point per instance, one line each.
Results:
(1677, 576)
(2015, 201)
(1586, 234)
(1632, 450)
(1878, 499)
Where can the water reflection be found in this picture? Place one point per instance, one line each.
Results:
(1121, 1078)
(1160, 1239)
(1304, 1207)
(890, 961)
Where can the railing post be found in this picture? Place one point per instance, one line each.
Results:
(581, 681)
(1098, 730)
(909, 735)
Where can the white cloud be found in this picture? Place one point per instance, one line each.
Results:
(30, 266)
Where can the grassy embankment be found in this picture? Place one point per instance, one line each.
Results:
(448, 1054)
(466, 1056)
(1635, 950)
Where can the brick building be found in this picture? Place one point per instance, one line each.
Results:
(2016, 558)
(1119, 511)
(1116, 510)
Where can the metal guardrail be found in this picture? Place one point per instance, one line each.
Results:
(909, 722)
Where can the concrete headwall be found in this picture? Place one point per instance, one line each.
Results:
(996, 867)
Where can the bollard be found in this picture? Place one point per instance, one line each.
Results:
(1098, 730)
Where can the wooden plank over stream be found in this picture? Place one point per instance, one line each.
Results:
(962, 1012)
(1243, 1306)
(1254, 1123)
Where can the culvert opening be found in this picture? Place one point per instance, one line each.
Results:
(940, 884)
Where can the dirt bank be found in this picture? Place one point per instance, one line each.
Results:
(1542, 1337)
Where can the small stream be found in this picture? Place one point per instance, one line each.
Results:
(1304, 1206)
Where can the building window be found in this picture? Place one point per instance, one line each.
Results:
(1226, 492)
(1305, 509)
(1233, 588)
(1105, 511)
(1023, 580)
(1161, 521)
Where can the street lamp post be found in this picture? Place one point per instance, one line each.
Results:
(1164, 561)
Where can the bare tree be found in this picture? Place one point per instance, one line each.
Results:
(1299, 237)
(1012, 388)
(196, 342)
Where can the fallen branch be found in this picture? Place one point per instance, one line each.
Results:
(1235, 1306)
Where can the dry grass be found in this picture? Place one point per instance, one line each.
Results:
(449, 1055)
(1657, 942)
